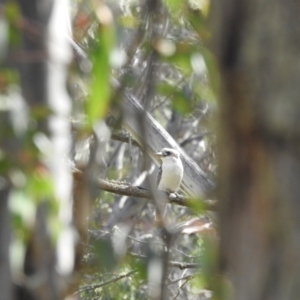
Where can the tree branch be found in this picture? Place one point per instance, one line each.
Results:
(126, 189)
(124, 136)
(101, 284)
(182, 265)
(188, 277)
(175, 264)
(197, 137)
(123, 188)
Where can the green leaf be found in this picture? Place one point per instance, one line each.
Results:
(13, 15)
(197, 205)
(97, 105)
(198, 19)
(129, 21)
(22, 208)
(40, 185)
(104, 254)
(175, 7)
(176, 95)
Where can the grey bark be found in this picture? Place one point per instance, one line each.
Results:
(6, 287)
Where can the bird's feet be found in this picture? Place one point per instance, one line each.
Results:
(173, 196)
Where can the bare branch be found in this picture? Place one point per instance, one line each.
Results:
(183, 266)
(161, 244)
(126, 189)
(197, 137)
(188, 277)
(101, 284)
(123, 188)
(175, 264)
(185, 279)
(124, 136)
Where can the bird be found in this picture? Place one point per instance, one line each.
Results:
(168, 180)
(170, 171)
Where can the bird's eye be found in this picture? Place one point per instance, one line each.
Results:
(167, 153)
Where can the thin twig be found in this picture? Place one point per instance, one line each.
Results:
(101, 284)
(188, 277)
(175, 264)
(162, 244)
(197, 137)
(183, 266)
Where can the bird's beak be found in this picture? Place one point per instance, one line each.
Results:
(158, 154)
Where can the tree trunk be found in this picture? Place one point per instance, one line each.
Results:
(5, 234)
(258, 49)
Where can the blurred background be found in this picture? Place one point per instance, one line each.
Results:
(89, 90)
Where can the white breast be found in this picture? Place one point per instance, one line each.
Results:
(172, 172)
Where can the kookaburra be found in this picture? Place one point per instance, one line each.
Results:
(170, 171)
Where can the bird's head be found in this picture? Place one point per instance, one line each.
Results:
(167, 153)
